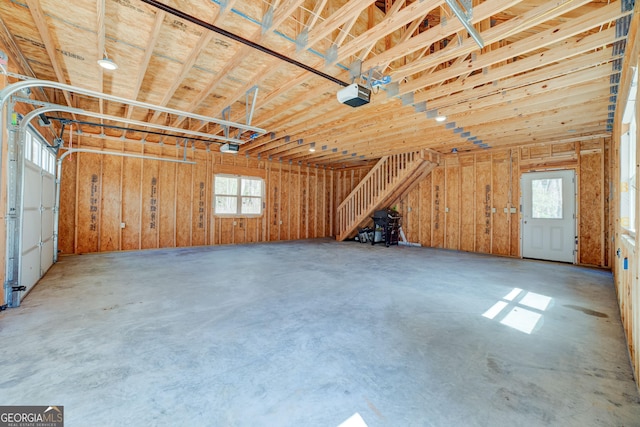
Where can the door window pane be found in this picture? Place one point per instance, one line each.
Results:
(546, 198)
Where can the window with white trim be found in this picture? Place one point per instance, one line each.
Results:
(628, 161)
(238, 195)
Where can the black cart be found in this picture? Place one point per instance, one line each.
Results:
(387, 223)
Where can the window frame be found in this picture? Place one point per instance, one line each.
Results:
(238, 196)
(628, 165)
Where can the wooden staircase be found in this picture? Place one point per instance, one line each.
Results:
(392, 177)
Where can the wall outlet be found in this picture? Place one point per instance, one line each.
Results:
(514, 210)
(446, 209)
(493, 210)
(123, 225)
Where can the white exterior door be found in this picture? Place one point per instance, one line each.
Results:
(548, 215)
(36, 243)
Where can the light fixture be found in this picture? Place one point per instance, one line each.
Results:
(107, 63)
(441, 119)
(454, 151)
(312, 147)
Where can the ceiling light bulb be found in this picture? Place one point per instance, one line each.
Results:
(441, 118)
(312, 149)
(107, 64)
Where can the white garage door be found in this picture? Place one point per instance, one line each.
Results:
(36, 253)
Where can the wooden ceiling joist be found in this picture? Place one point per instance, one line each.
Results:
(542, 58)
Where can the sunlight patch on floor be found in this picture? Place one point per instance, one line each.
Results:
(520, 310)
(354, 421)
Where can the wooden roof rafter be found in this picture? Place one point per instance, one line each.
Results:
(490, 91)
(529, 20)
(362, 45)
(349, 11)
(279, 16)
(315, 14)
(528, 72)
(333, 22)
(404, 139)
(549, 38)
(144, 65)
(537, 51)
(433, 34)
(43, 29)
(343, 52)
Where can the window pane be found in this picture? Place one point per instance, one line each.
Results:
(251, 187)
(36, 152)
(226, 185)
(251, 205)
(546, 198)
(27, 147)
(226, 205)
(52, 164)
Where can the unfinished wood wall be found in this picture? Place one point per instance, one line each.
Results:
(111, 203)
(471, 202)
(626, 261)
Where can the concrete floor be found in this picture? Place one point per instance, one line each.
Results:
(309, 333)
